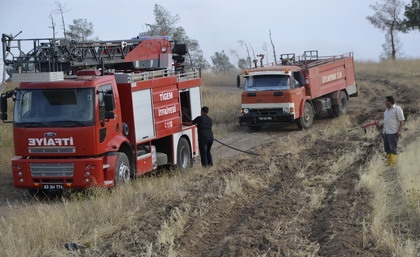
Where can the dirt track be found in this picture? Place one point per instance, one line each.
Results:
(291, 204)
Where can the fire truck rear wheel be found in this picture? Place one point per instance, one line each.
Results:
(184, 154)
(307, 118)
(122, 169)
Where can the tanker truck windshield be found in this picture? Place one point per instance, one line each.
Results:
(267, 82)
(54, 107)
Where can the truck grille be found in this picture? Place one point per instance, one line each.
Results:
(49, 150)
(266, 111)
(52, 169)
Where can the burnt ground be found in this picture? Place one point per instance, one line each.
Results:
(287, 204)
(309, 205)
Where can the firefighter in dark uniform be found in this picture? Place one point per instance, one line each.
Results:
(205, 136)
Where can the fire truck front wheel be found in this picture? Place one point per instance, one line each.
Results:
(122, 169)
(184, 154)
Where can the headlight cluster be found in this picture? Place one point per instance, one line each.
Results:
(245, 111)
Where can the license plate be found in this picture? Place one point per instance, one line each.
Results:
(53, 187)
(265, 118)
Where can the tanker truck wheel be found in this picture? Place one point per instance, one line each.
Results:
(184, 154)
(122, 169)
(307, 118)
(342, 106)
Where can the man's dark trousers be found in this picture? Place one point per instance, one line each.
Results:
(205, 143)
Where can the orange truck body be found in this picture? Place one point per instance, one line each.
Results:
(66, 135)
(297, 89)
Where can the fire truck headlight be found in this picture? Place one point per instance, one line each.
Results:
(87, 173)
(245, 110)
(86, 180)
(286, 110)
(19, 174)
(87, 167)
(21, 180)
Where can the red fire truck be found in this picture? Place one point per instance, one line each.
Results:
(75, 127)
(296, 89)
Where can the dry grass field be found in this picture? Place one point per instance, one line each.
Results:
(319, 192)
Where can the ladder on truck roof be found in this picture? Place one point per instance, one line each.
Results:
(51, 54)
(310, 59)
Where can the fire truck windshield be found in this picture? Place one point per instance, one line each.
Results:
(267, 82)
(54, 107)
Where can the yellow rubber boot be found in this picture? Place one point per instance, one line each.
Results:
(392, 159)
(388, 159)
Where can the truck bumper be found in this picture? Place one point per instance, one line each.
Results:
(247, 120)
(56, 174)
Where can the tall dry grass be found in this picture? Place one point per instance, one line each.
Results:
(402, 71)
(43, 228)
(396, 196)
(224, 100)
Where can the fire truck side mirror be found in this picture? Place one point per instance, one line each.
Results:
(109, 115)
(238, 81)
(109, 102)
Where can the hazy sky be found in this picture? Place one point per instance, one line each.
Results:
(330, 26)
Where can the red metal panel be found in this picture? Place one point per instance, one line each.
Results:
(331, 77)
(80, 138)
(148, 49)
(189, 83)
(127, 113)
(144, 165)
(22, 177)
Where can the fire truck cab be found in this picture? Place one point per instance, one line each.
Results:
(76, 128)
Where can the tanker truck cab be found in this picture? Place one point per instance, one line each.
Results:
(296, 89)
(270, 95)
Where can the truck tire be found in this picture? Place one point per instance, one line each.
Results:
(122, 169)
(183, 154)
(307, 118)
(342, 106)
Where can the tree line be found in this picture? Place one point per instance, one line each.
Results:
(391, 16)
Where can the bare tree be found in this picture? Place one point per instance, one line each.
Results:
(61, 10)
(274, 48)
(52, 25)
(387, 17)
(242, 63)
(265, 49)
(243, 43)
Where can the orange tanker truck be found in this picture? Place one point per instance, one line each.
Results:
(296, 89)
(75, 127)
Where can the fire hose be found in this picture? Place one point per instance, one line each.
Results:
(373, 123)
